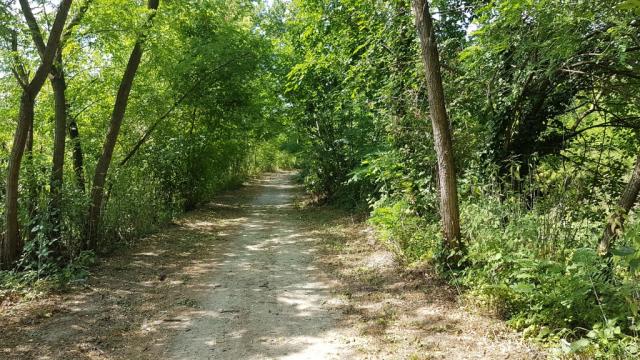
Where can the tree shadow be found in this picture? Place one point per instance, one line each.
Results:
(234, 279)
(270, 299)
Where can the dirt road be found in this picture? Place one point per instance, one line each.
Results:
(251, 276)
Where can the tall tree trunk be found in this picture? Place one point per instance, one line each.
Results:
(440, 122)
(119, 109)
(59, 86)
(78, 155)
(31, 184)
(616, 223)
(11, 243)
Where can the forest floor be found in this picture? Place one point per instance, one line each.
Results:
(253, 275)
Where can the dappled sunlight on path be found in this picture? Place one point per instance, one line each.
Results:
(268, 300)
(251, 276)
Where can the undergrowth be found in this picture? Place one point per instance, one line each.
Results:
(536, 268)
(32, 281)
(137, 205)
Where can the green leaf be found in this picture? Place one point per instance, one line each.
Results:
(633, 5)
(523, 288)
(623, 251)
(584, 255)
(495, 257)
(580, 345)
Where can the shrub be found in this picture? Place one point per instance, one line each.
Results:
(537, 269)
(411, 237)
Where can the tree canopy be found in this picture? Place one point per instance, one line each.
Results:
(497, 140)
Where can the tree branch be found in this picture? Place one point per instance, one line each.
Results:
(18, 69)
(34, 28)
(51, 48)
(77, 18)
(150, 130)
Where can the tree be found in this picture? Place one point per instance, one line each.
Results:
(616, 222)
(11, 243)
(58, 84)
(195, 72)
(119, 109)
(449, 212)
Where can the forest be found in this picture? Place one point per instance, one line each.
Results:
(492, 144)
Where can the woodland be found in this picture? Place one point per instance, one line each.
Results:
(496, 141)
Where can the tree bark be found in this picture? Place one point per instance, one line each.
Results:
(119, 109)
(78, 155)
(616, 223)
(440, 122)
(59, 86)
(11, 243)
(33, 193)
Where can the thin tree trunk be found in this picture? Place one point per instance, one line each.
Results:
(11, 243)
(32, 185)
(78, 155)
(616, 223)
(58, 84)
(440, 122)
(119, 109)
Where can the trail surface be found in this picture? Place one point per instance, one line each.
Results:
(252, 276)
(266, 295)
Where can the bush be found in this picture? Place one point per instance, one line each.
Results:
(411, 237)
(33, 281)
(537, 269)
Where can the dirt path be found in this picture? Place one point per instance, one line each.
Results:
(265, 297)
(251, 276)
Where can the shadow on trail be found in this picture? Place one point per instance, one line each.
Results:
(234, 279)
(244, 278)
(266, 297)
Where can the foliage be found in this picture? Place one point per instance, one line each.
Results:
(543, 103)
(36, 281)
(533, 268)
(545, 114)
(411, 237)
(195, 123)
